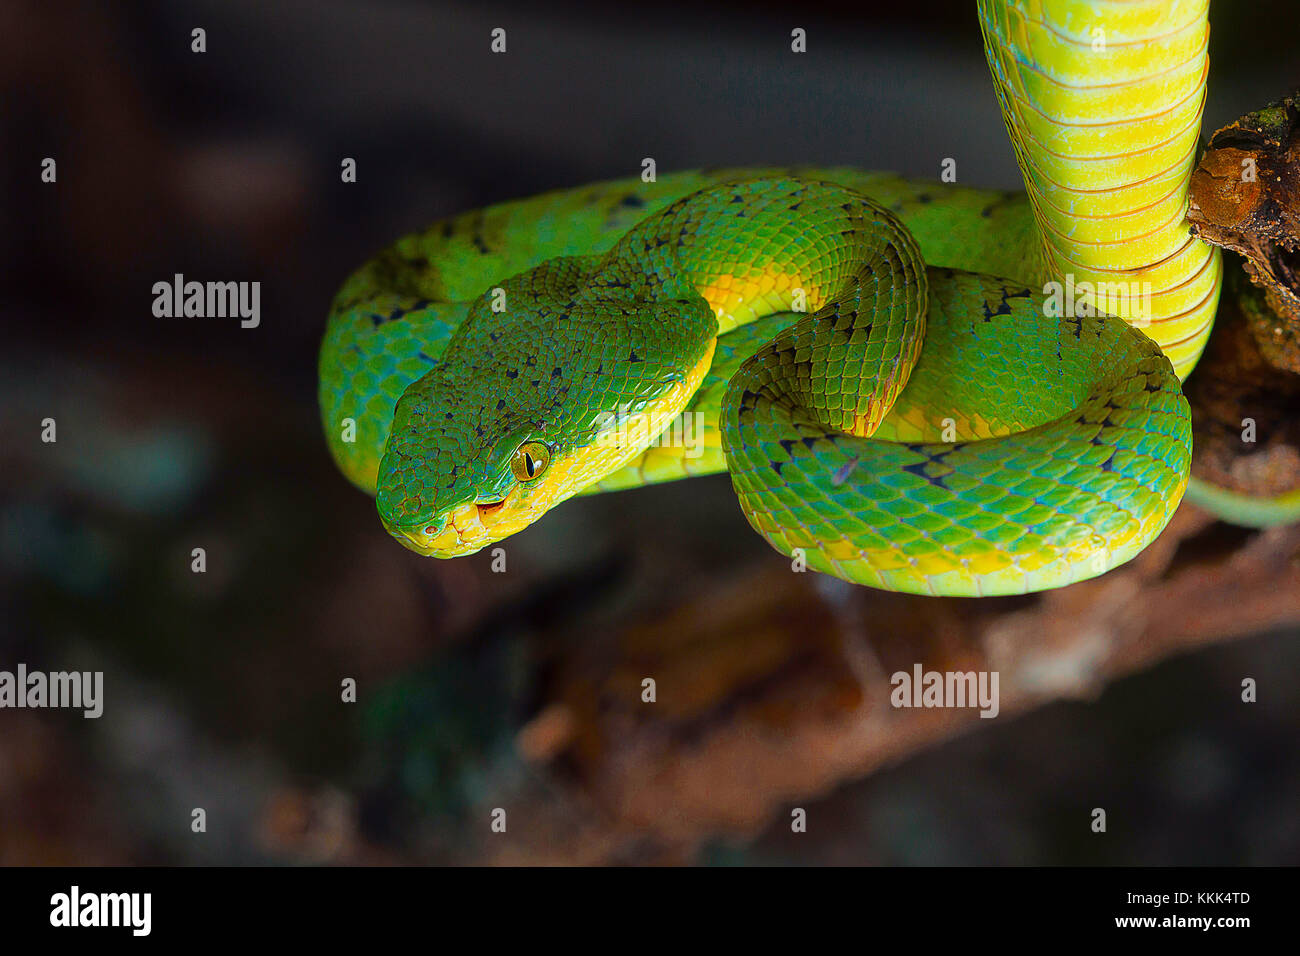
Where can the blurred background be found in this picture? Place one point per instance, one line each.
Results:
(521, 690)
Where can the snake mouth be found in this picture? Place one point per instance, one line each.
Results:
(463, 530)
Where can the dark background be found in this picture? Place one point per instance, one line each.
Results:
(182, 433)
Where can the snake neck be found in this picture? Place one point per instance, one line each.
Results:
(1103, 102)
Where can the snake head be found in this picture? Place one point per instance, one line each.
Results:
(464, 468)
(488, 494)
(523, 412)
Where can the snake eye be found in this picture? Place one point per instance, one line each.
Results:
(530, 460)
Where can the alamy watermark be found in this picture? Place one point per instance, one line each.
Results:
(208, 300)
(78, 690)
(922, 688)
(129, 910)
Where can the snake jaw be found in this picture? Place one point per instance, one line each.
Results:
(458, 532)
(468, 528)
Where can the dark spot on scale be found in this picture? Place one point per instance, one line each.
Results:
(1004, 307)
(919, 470)
(400, 312)
(1109, 463)
(633, 357)
(632, 202)
(556, 373)
(512, 373)
(425, 358)
(924, 198)
(501, 403)
(937, 457)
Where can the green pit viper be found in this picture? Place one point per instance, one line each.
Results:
(900, 395)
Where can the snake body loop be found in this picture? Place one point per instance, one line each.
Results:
(879, 364)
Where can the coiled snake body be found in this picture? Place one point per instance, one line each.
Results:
(882, 365)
